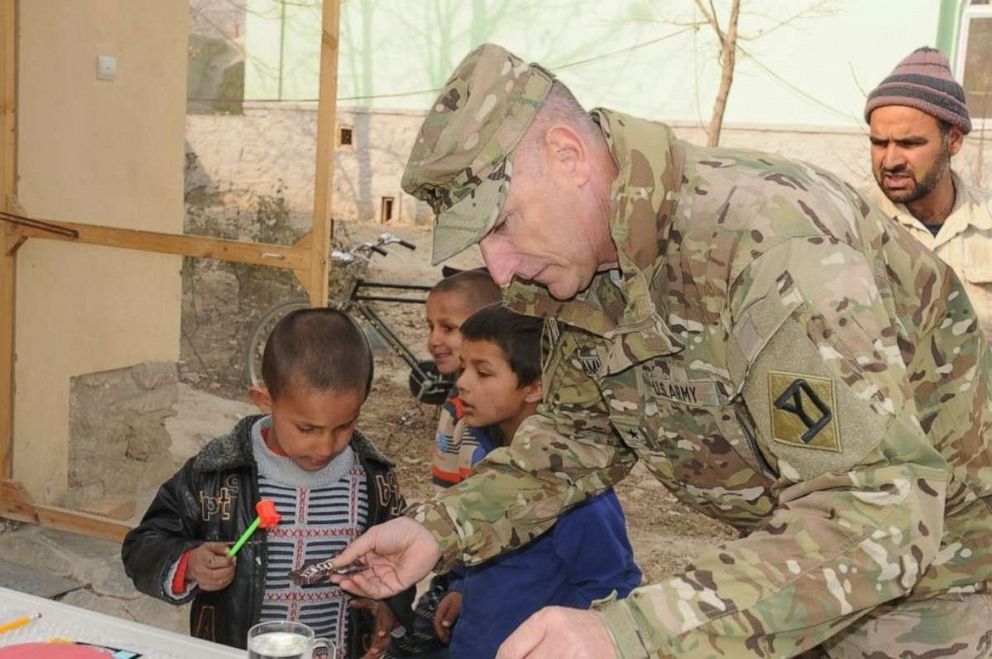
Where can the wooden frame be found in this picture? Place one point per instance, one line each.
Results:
(307, 259)
(8, 239)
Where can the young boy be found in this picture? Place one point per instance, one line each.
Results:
(449, 303)
(328, 482)
(585, 556)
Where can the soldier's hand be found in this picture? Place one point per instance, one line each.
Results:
(446, 615)
(210, 567)
(398, 553)
(553, 628)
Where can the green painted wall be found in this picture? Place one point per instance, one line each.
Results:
(947, 26)
(802, 62)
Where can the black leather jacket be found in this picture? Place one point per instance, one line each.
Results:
(212, 498)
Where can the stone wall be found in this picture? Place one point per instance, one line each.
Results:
(270, 150)
(118, 443)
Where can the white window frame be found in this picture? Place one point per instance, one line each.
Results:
(968, 12)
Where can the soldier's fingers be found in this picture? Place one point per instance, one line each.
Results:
(552, 628)
(375, 583)
(524, 642)
(361, 546)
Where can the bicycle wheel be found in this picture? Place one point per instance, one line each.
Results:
(260, 334)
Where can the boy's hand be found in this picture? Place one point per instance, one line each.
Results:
(385, 620)
(446, 615)
(210, 567)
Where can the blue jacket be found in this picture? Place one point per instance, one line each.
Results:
(585, 556)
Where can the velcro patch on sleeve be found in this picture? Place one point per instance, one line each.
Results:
(808, 418)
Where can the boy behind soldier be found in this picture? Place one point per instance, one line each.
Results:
(327, 481)
(585, 556)
(449, 303)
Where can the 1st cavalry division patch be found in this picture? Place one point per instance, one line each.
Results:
(802, 410)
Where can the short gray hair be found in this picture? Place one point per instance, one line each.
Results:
(560, 107)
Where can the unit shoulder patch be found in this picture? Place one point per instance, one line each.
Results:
(804, 411)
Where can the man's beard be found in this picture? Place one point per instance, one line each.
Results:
(924, 187)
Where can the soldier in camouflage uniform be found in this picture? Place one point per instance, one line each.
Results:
(780, 355)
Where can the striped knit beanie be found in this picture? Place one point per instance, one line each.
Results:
(923, 81)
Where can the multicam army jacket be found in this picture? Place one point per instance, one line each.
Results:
(783, 358)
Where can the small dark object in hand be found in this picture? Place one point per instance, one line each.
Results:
(314, 572)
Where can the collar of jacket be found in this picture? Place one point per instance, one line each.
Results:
(233, 450)
(971, 209)
(643, 197)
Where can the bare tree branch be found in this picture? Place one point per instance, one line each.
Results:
(728, 56)
(711, 19)
(785, 21)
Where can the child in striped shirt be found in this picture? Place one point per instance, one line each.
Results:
(327, 480)
(449, 303)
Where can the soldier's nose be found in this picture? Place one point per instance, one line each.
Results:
(499, 262)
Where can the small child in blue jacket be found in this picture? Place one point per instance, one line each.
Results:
(585, 556)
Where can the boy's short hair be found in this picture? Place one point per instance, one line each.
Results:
(322, 349)
(476, 286)
(519, 337)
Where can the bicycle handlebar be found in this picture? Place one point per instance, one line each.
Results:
(379, 247)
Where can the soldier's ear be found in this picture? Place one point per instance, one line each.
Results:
(567, 153)
(260, 396)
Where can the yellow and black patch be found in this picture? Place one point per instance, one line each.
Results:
(803, 411)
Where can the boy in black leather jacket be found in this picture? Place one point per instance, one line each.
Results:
(328, 482)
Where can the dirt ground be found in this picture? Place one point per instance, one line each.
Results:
(221, 302)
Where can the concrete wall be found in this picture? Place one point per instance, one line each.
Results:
(270, 150)
(844, 152)
(104, 152)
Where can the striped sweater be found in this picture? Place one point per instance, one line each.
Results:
(321, 513)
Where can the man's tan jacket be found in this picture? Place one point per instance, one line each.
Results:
(964, 242)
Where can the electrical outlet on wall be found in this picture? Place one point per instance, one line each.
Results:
(106, 67)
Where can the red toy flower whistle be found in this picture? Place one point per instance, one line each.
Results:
(267, 515)
(267, 518)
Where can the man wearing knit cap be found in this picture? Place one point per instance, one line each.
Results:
(768, 344)
(918, 121)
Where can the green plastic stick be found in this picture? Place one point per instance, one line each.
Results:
(244, 537)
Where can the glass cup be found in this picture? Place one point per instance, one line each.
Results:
(282, 639)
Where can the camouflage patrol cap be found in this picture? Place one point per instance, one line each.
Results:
(461, 163)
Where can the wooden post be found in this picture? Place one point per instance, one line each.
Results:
(8, 241)
(320, 245)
